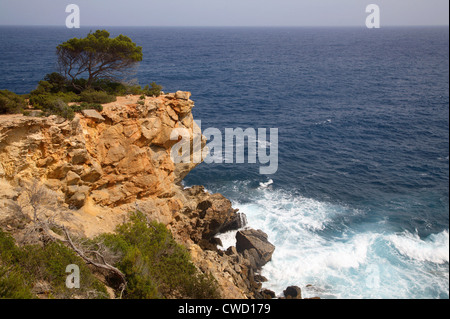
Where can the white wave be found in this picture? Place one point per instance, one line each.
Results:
(313, 246)
(283, 211)
(326, 265)
(433, 249)
(266, 184)
(316, 245)
(323, 122)
(228, 239)
(351, 254)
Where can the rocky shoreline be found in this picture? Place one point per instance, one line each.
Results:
(236, 269)
(102, 165)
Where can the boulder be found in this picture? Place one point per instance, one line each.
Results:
(44, 162)
(77, 200)
(72, 178)
(77, 195)
(59, 171)
(79, 156)
(293, 292)
(254, 243)
(150, 127)
(182, 95)
(268, 294)
(93, 114)
(92, 174)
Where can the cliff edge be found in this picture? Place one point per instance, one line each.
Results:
(102, 165)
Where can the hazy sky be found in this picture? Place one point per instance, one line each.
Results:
(224, 12)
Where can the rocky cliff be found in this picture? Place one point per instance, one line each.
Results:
(101, 165)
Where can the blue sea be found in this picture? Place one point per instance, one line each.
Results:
(359, 206)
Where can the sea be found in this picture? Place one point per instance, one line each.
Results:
(359, 205)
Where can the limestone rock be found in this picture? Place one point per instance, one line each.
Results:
(93, 114)
(268, 294)
(72, 178)
(150, 127)
(182, 95)
(92, 174)
(214, 211)
(77, 200)
(106, 164)
(44, 162)
(59, 171)
(80, 156)
(256, 245)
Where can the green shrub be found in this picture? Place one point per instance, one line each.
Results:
(110, 87)
(11, 103)
(96, 97)
(22, 267)
(57, 83)
(154, 264)
(49, 263)
(59, 107)
(153, 90)
(87, 106)
(13, 284)
(134, 89)
(45, 100)
(9, 252)
(53, 83)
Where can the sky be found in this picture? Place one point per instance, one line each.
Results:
(225, 12)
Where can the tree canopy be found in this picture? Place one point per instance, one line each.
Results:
(97, 56)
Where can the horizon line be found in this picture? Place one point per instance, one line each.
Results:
(228, 26)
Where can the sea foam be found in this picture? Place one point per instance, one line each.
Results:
(433, 249)
(318, 249)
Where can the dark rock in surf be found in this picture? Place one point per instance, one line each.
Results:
(293, 292)
(254, 245)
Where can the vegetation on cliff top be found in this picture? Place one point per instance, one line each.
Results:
(154, 265)
(11, 103)
(36, 270)
(104, 60)
(97, 56)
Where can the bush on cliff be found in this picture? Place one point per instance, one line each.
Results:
(154, 264)
(56, 83)
(11, 103)
(55, 91)
(87, 106)
(91, 96)
(22, 269)
(13, 283)
(153, 90)
(53, 104)
(53, 96)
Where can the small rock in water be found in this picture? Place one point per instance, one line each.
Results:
(293, 292)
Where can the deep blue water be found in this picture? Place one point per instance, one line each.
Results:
(359, 206)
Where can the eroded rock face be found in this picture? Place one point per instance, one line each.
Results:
(102, 165)
(203, 216)
(119, 155)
